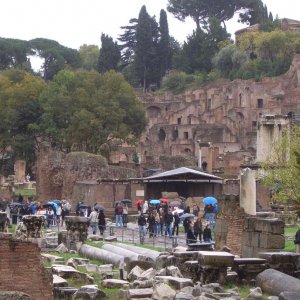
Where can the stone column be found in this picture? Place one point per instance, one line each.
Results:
(77, 231)
(248, 191)
(210, 159)
(19, 168)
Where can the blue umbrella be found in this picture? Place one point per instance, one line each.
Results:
(210, 200)
(53, 204)
(154, 201)
(56, 201)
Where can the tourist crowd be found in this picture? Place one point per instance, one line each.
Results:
(163, 220)
(54, 212)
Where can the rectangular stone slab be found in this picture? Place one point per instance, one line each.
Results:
(215, 259)
(139, 293)
(249, 261)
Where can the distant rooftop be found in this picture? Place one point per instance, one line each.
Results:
(184, 174)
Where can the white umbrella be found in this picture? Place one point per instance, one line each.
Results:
(177, 210)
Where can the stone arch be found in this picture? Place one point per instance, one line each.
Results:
(240, 117)
(187, 151)
(231, 113)
(161, 135)
(153, 111)
(123, 157)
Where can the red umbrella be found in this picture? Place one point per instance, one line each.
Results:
(138, 202)
(164, 200)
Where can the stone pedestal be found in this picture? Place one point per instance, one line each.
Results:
(77, 231)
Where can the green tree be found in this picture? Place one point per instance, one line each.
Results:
(89, 55)
(145, 51)
(202, 10)
(128, 42)
(56, 57)
(110, 55)
(199, 49)
(13, 54)
(92, 112)
(229, 59)
(281, 170)
(20, 112)
(164, 49)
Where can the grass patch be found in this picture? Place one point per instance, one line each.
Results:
(25, 192)
(143, 246)
(112, 294)
(289, 234)
(243, 290)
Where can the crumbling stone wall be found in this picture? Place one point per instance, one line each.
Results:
(80, 176)
(262, 235)
(22, 270)
(229, 225)
(246, 235)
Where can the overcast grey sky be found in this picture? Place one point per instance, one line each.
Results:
(76, 22)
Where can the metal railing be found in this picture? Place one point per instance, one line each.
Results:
(135, 236)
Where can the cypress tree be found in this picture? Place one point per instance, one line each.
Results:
(110, 55)
(164, 43)
(144, 47)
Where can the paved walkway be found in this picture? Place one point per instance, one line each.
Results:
(131, 234)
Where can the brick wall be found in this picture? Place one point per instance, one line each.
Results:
(21, 269)
(230, 224)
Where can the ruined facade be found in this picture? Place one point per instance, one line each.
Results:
(223, 113)
(22, 270)
(81, 176)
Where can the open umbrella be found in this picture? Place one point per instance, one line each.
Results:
(164, 200)
(82, 206)
(138, 202)
(99, 207)
(175, 203)
(56, 201)
(184, 216)
(154, 201)
(53, 204)
(126, 201)
(178, 211)
(16, 204)
(209, 200)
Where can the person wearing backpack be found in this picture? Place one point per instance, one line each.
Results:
(119, 215)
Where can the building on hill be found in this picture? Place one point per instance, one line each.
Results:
(223, 114)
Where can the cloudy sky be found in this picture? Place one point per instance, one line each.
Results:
(76, 22)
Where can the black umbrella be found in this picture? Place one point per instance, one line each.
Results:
(187, 215)
(99, 207)
(83, 206)
(126, 201)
